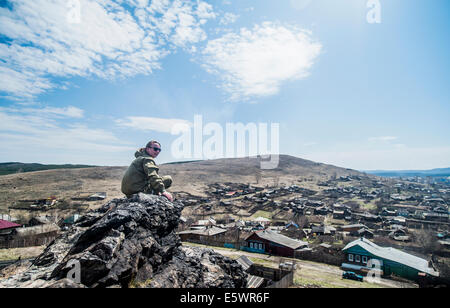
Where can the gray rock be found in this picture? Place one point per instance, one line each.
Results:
(129, 243)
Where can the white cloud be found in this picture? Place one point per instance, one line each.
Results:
(254, 63)
(70, 112)
(228, 18)
(31, 132)
(382, 138)
(110, 41)
(152, 124)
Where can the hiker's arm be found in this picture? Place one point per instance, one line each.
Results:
(154, 180)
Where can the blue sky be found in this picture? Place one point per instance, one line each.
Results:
(91, 81)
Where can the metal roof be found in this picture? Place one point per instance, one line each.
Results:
(245, 262)
(4, 224)
(254, 281)
(393, 254)
(280, 239)
(205, 231)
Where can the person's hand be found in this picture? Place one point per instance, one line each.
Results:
(168, 195)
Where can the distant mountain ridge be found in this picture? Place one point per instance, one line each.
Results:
(17, 167)
(438, 172)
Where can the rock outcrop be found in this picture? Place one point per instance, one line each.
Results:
(128, 243)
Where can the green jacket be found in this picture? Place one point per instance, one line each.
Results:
(142, 176)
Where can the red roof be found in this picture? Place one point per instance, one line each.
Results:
(4, 224)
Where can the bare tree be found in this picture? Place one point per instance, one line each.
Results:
(258, 176)
(427, 241)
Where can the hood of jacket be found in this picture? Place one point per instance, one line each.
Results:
(141, 152)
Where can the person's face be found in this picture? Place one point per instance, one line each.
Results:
(154, 150)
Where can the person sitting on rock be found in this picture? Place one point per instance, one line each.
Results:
(142, 175)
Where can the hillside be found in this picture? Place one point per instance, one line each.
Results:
(192, 177)
(189, 177)
(15, 167)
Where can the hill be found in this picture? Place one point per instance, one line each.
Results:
(190, 177)
(15, 167)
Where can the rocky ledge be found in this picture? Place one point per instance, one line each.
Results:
(127, 243)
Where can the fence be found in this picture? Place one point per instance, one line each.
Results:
(27, 241)
(285, 282)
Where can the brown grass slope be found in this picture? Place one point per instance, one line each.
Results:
(192, 177)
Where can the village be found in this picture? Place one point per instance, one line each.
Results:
(350, 222)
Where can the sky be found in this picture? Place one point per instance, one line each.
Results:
(360, 84)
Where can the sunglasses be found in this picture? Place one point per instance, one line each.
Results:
(156, 149)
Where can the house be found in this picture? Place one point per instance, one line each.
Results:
(337, 214)
(399, 235)
(352, 228)
(71, 220)
(201, 235)
(399, 220)
(292, 226)
(367, 217)
(7, 227)
(258, 226)
(386, 212)
(365, 233)
(323, 230)
(391, 261)
(267, 241)
(263, 221)
(323, 210)
(202, 224)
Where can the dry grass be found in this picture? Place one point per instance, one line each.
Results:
(23, 253)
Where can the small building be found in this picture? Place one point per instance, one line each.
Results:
(352, 228)
(203, 223)
(7, 227)
(292, 226)
(365, 233)
(267, 241)
(323, 230)
(202, 235)
(399, 235)
(323, 210)
(338, 214)
(70, 220)
(392, 261)
(386, 212)
(263, 221)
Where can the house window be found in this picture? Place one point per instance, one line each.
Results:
(364, 259)
(350, 257)
(251, 245)
(260, 247)
(357, 258)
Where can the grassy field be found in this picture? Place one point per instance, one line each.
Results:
(263, 214)
(24, 253)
